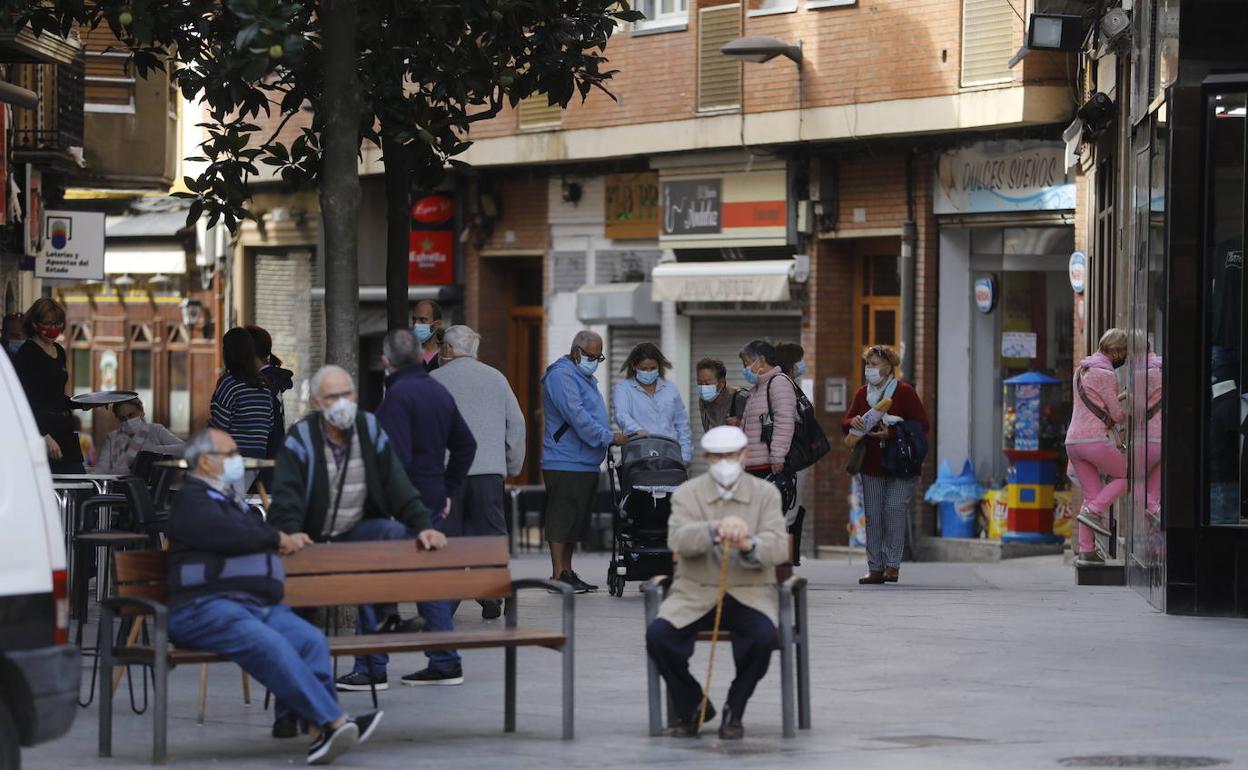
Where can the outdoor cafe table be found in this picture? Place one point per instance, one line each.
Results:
(69, 489)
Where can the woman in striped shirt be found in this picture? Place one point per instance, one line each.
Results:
(241, 404)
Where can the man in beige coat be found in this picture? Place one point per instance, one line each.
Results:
(724, 506)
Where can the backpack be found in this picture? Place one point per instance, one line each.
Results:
(810, 443)
(905, 452)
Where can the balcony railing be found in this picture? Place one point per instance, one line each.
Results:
(56, 125)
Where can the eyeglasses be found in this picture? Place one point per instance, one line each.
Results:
(230, 453)
(585, 353)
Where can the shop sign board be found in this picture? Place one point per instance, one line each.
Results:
(1003, 176)
(1078, 272)
(431, 258)
(632, 206)
(73, 246)
(433, 209)
(33, 230)
(1018, 345)
(985, 294)
(724, 210)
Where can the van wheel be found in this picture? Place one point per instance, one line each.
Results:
(10, 752)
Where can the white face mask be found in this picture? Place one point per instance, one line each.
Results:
(341, 414)
(726, 472)
(873, 375)
(132, 425)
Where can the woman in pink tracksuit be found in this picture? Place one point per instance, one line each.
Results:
(1152, 499)
(1090, 444)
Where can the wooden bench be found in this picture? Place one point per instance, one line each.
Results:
(793, 642)
(334, 574)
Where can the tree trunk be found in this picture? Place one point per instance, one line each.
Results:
(396, 158)
(340, 184)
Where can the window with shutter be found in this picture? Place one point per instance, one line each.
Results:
(110, 78)
(988, 41)
(535, 112)
(719, 77)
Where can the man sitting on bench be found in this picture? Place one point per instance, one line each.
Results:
(226, 584)
(722, 506)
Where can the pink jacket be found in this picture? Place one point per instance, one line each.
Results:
(1101, 386)
(1154, 397)
(784, 409)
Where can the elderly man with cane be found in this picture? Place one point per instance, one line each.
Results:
(724, 514)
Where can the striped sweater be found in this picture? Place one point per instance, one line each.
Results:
(243, 411)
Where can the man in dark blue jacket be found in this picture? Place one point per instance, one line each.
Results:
(226, 584)
(436, 448)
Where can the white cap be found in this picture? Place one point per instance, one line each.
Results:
(724, 440)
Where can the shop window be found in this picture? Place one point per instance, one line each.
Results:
(1100, 311)
(80, 360)
(1226, 139)
(141, 377)
(180, 392)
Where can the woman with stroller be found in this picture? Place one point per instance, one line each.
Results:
(646, 403)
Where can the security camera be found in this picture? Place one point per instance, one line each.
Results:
(1115, 25)
(1097, 113)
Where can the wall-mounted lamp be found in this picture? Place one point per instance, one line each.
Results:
(192, 311)
(761, 48)
(571, 192)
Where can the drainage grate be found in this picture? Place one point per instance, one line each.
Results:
(1157, 761)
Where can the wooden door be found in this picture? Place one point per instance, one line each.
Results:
(524, 372)
(877, 301)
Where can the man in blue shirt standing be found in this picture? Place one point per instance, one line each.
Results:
(577, 435)
(436, 448)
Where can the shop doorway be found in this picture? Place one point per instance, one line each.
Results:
(521, 281)
(877, 298)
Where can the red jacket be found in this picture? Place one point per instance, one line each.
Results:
(906, 405)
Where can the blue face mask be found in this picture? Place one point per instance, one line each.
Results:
(15, 345)
(232, 469)
(749, 375)
(708, 392)
(423, 332)
(800, 369)
(648, 378)
(587, 365)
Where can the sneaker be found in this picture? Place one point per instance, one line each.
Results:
(286, 727)
(1097, 522)
(491, 609)
(367, 724)
(574, 580)
(333, 743)
(433, 676)
(358, 681)
(1089, 559)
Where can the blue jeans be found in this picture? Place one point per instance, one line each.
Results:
(282, 651)
(369, 616)
(439, 616)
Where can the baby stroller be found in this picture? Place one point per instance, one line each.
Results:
(649, 471)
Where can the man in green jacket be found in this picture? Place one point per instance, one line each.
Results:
(338, 479)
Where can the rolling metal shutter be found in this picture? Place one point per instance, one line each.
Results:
(537, 111)
(987, 41)
(719, 76)
(723, 337)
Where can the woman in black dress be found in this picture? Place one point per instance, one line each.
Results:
(40, 365)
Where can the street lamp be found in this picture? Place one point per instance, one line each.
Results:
(760, 48)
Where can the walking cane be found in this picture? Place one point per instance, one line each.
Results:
(719, 613)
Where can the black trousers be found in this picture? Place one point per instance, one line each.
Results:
(477, 508)
(753, 640)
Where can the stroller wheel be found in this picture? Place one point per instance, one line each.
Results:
(615, 583)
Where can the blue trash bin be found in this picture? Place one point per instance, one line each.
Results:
(957, 518)
(957, 500)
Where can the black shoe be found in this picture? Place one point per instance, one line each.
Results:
(730, 729)
(333, 743)
(432, 676)
(367, 724)
(574, 580)
(357, 681)
(286, 727)
(397, 625)
(688, 727)
(491, 609)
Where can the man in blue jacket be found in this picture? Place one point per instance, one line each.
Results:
(226, 584)
(436, 448)
(578, 433)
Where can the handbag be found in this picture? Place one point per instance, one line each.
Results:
(856, 457)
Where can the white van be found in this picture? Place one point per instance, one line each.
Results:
(39, 669)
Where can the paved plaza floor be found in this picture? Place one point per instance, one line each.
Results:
(1006, 665)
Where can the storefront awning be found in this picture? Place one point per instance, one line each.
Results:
(141, 261)
(616, 303)
(744, 281)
